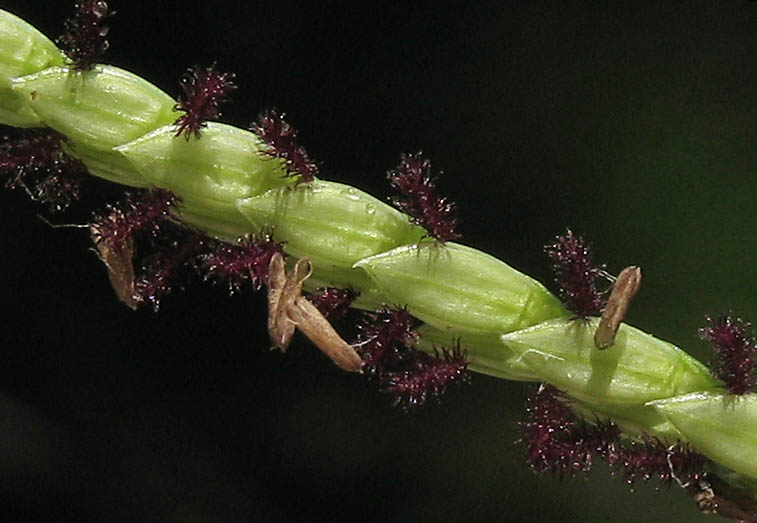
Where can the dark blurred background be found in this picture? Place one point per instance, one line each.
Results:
(633, 123)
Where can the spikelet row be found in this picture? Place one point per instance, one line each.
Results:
(231, 186)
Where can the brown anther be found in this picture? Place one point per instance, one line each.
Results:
(288, 308)
(623, 290)
(118, 262)
(715, 496)
(704, 497)
(283, 290)
(317, 328)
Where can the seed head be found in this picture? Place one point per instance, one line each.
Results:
(419, 199)
(205, 89)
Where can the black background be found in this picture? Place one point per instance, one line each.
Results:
(635, 123)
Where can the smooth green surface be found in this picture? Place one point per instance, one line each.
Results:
(224, 164)
(23, 50)
(98, 109)
(107, 164)
(332, 223)
(14, 112)
(721, 426)
(216, 218)
(636, 369)
(455, 287)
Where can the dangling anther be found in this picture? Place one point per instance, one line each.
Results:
(283, 291)
(118, 262)
(288, 308)
(623, 290)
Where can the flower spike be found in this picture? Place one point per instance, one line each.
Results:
(230, 185)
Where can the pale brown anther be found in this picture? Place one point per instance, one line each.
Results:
(118, 262)
(283, 290)
(288, 308)
(625, 288)
(316, 327)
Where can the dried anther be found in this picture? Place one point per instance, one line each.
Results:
(625, 288)
(281, 140)
(84, 38)
(149, 226)
(715, 496)
(283, 291)
(288, 308)
(118, 262)
(420, 200)
(205, 89)
(316, 327)
(160, 268)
